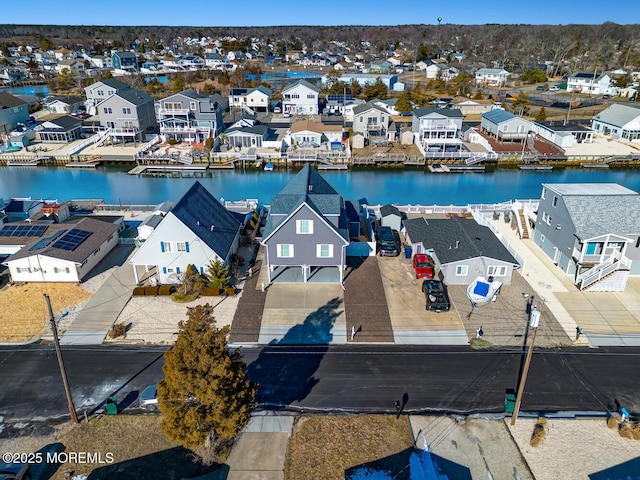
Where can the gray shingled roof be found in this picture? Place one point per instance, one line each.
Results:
(389, 210)
(192, 93)
(618, 115)
(306, 187)
(9, 101)
(457, 239)
(66, 122)
(367, 106)
(599, 209)
(135, 96)
(206, 217)
(447, 112)
(115, 83)
(301, 82)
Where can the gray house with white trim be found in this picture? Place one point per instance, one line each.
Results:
(306, 232)
(591, 231)
(128, 113)
(505, 125)
(618, 121)
(461, 248)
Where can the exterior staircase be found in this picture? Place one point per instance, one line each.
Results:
(606, 277)
(524, 224)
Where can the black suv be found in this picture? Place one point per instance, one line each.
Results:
(388, 242)
(436, 295)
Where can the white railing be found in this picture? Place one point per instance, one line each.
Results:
(147, 146)
(173, 111)
(169, 129)
(123, 132)
(303, 157)
(96, 139)
(612, 264)
(482, 220)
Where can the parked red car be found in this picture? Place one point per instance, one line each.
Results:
(423, 266)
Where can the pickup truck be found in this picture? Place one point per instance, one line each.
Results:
(423, 265)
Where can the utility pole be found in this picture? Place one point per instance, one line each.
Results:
(54, 329)
(533, 323)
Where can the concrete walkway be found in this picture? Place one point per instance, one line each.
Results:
(103, 309)
(260, 451)
(544, 278)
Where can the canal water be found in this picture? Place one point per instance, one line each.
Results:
(377, 186)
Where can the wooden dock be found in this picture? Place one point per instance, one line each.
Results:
(24, 163)
(466, 168)
(324, 166)
(167, 168)
(594, 165)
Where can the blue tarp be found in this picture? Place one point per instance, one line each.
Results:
(481, 289)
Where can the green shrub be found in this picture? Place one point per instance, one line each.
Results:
(118, 330)
(179, 297)
(479, 344)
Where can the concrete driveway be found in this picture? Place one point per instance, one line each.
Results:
(411, 322)
(298, 313)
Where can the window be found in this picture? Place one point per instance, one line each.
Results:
(546, 218)
(182, 246)
(544, 190)
(100, 93)
(462, 270)
(497, 270)
(60, 270)
(324, 250)
(304, 227)
(108, 111)
(285, 250)
(638, 242)
(555, 201)
(192, 105)
(542, 238)
(165, 247)
(311, 96)
(23, 270)
(126, 110)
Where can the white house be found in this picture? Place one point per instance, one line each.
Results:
(495, 77)
(300, 98)
(59, 252)
(196, 231)
(585, 82)
(256, 99)
(618, 121)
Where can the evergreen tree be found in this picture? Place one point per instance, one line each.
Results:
(206, 396)
(377, 90)
(520, 105)
(218, 275)
(541, 116)
(355, 88)
(178, 84)
(404, 102)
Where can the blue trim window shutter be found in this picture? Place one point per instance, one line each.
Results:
(177, 269)
(201, 270)
(162, 246)
(186, 246)
(164, 269)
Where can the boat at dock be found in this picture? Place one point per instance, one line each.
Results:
(546, 168)
(324, 166)
(466, 168)
(24, 163)
(269, 167)
(439, 168)
(594, 165)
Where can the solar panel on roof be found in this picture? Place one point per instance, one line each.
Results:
(23, 230)
(72, 239)
(45, 242)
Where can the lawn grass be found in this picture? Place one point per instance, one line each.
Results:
(24, 313)
(138, 447)
(327, 447)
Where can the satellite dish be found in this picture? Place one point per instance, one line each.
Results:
(439, 20)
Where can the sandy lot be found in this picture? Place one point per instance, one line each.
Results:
(155, 320)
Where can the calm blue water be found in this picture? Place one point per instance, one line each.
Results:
(37, 90)
(282, 75)
(388, 186)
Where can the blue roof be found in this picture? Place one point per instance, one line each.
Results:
(498, 115)
(205, 216)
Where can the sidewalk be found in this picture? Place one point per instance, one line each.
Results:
(103, 309)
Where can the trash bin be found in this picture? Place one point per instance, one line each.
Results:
(111, 406)
(407, 251)
(509, 402)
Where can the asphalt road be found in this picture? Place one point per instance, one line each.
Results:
(359, 378)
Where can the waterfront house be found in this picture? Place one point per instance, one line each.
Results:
(128, 114)
(101, 90)
(589, 83)
(505, 126)
(250, 137)
(189, 116)
(591, 231)
(618, 121)
(65, 105)
(125, 61)
(57, 252)
(13, 110)
(494, 77)
(63, 129)
(371, 121)
(196, 231)
(437, 130)
(306, 233)
(254, 99)
(461, 248)
(300, 98)
(310, 135)
(562, 134)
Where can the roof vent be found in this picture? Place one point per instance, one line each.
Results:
(310, 188)
(212, 227)
(457, 243)
(198, 222)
